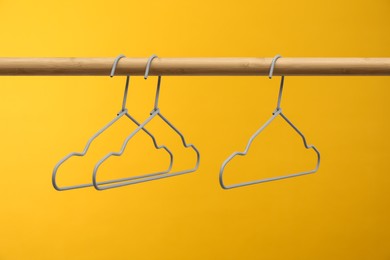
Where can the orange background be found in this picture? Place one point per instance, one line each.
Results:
(340, 213)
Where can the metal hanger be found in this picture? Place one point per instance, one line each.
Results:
(155, 112)
(123, 112)
(277, 112)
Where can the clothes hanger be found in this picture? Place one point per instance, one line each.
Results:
(155, 112)
(277, 112)
(123, 112)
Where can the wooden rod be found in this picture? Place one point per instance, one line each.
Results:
(196, 66)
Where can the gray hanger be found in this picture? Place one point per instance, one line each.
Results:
(155, 112)
(278, 111)
(123, 112)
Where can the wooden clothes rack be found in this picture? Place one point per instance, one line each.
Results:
(196, 66)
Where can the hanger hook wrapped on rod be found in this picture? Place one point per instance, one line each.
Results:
(112, 74)
(148, 64)
(271, 72)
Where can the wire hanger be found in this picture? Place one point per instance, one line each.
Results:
(153, 113)
(278, 111)
(123, 112)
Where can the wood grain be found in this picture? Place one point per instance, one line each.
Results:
(196, 66)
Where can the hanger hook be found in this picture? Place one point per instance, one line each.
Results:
(113, 68)
(271, 71)
(112, 74)
(148, 64)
